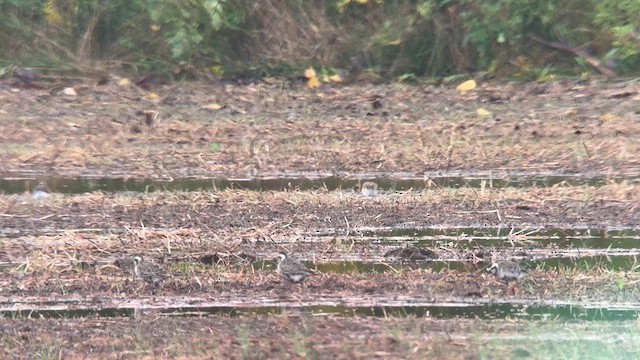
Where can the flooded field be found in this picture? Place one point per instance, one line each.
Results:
(58, 258)
(401, 271)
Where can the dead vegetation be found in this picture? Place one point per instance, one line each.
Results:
(218, 247)
(233, 130)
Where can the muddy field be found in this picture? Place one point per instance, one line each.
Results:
(211, 181)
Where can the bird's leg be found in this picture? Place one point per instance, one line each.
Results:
(157, 287)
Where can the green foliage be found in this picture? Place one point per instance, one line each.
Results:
(499, 29)
(149, 33)
(215, 147)
(183, 25)
(621, 20)
(185, 32)
(14, 14)
(400, 38)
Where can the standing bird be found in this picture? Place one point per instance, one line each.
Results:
(126, 264)
(292, 269)
(369, 189)
(25, 75)
(150, 272)
(41, 191)
(507, 270)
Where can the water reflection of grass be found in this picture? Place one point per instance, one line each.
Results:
(560, 340)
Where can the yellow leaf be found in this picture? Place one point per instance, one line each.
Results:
(70, 91)
(124, 82)
(217, 70)
(213, 106)
(609, 117)
(152, 96)
(483, 112)
(335, 78)
(524, 62)
(51, 13)
(466, 86)
(310, 73)
(155, 27)
(313, 82)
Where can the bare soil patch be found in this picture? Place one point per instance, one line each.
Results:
(197, 129)
(228, 214)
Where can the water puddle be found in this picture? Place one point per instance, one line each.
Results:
(345, 267)
(310, 181)
(585, 263)
(613, 263)
(437, 311)
(473, 238)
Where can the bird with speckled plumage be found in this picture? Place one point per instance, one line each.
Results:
(507, 270)
(369, 189)
(292, 269)
(41, 191)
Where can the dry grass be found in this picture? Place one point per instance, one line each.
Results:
(330, 132)
(62, 247)
(622, 192)
(292, 335)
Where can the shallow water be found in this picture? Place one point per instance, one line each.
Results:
(307, 181)
(439, 311)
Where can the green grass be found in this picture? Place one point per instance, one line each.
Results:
(557, 340)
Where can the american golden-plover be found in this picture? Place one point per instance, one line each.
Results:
(369, 189)
(507, 270)
(292, 269)
(41, 191)
(126, 264)
(149, 272)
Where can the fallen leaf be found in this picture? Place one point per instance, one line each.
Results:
(28, 157)
(217, 70)
(483, 112)
(310, 73)
(609, 117)
(212, 106)
(466, 86)
(70, 91)
(313, 82)
(335, 78)
(124, 82)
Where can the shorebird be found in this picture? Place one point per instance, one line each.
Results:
(26, 75)
(150, 272)
(292, 269)
(507, 270)
(369, 189)
(126, 264)
(41, 191)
